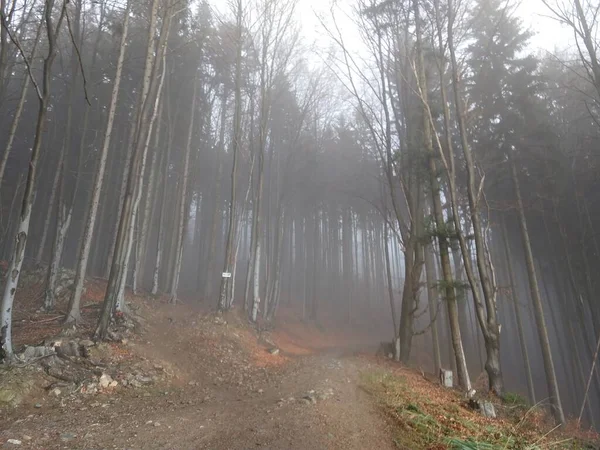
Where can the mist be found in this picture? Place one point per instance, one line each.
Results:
(420, 175)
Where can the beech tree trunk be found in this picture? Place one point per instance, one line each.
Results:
(449, 285)
(73, 312)
(20, 106)
(119, 260)
(18, 253)
(517, 310)
(226, 290)
(553, 390)
(183, 208)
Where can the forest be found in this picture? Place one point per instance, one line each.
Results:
(439, 180)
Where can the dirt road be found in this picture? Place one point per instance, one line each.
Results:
(220, 398)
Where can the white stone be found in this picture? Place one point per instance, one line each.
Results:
(105, 380)
(446, 378)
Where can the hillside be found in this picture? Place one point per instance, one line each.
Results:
(179, 377)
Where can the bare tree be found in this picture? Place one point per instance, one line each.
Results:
(73, 313)
(53, 28)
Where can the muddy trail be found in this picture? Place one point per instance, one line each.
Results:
(228, 388)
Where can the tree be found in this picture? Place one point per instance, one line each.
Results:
(74, 314)
(119, 261)
(53, 28)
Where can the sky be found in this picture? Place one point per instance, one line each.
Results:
(549, 34)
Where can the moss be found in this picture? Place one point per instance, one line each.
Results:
(15, 386)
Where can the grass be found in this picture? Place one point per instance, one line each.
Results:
(431, 418)
(514, 399)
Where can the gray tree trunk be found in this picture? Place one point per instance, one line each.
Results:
(553, 390)
(73, 312)
(18, 253)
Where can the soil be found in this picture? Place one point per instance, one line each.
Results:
(219, 385)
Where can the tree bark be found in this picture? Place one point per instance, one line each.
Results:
(183, 208)
(432, 299)
(73, 312)
(226, 291)
(553, 390)
(21, 105)
(515, 302)
(449, 288)
(119, 260)
(18, 253)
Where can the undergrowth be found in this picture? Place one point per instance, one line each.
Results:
(430, 418)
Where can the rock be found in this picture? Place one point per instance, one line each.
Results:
(156, 424)
(14, 442)
(56, 391)
(446, 378)
(37, 405)
(487, 409)
(274, 351)
(220, 321)
(89, 388)
(70, 349)
(105, 380)
(144, 379)
(86, 343)
(310, 398)
(325, 394)
(113, 384)
(32, 353)
(66, 437)
(27, 438)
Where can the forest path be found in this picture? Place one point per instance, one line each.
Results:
(225, 394)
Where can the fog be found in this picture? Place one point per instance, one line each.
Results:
(417, 169)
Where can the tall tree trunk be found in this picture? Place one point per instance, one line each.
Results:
(217, 208)
(20, 106)
(160, 235)
(119, 260)
(65, 205)
(258, 241)
(432, 298)
(450, 292)
(146, 125)
(488, 318)
(390, 285)
(18, 253)
(73, 312)
(226, 290)
(183, 212)
(139, 262)
(553, 390)
(515, 302)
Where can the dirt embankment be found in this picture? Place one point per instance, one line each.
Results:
(175, 377)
